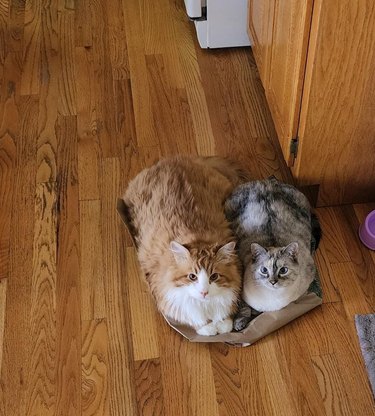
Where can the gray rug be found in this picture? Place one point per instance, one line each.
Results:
(366, 333)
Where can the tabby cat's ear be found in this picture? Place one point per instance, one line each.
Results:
(257, 250)
(226, 251)
(291, 250)
(181, 253)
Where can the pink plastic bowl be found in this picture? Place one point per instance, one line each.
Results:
(367, 231)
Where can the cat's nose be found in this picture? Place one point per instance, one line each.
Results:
(204, 294)
(273, 282)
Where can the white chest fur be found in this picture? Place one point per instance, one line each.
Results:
(195, 312)
(264, 299)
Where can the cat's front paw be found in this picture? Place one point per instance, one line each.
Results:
(224, 326)
(207, 330)
(240, 323)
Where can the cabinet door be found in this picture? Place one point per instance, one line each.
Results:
(290, 35)
(260, 33)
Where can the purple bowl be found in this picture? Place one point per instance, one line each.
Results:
(367, 231)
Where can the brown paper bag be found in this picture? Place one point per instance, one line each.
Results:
(258, 328)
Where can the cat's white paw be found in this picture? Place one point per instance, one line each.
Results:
(209, 329)
(224, 326)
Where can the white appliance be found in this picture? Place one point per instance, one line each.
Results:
(219, 23)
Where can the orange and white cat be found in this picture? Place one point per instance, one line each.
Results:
(185, 245)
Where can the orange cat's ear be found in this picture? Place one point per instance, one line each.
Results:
(181, 253)
(226, 251)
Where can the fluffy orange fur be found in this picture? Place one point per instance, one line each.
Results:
(181, 199)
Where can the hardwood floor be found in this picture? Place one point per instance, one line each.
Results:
(92, 92)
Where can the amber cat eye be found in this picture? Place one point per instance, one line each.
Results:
(214, 276)
(192, 277)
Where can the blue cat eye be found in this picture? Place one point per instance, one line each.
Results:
(192, 277)
(263, 270)
(283, 270)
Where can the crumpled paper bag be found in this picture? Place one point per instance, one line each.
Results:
(259, 327)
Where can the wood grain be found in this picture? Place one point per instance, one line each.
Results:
(147, 375)
(254, 382)
(9, 136)
(95, 371)
(142, 310)
(288, 51)
(122, 394)
(16, 354)
(349, 359)
(326, 275)
(295, 365)
(41, 389)
(330, 385)
(68, 288)
(260, 26)
(335, 247)
(228, 386)
(282, 399)
(91, 267)
(30, 83)
(3, 299)
(111, 87)
(337, 133)
(67, 86)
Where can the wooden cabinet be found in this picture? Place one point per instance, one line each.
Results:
(316, 60)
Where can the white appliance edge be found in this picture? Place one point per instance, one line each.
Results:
(225, 23)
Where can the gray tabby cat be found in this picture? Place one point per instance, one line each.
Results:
(277, 233)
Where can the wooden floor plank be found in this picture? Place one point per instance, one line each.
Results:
(41, 388)
(297, 370)
(349, 359)
(280, 392)
(142, 310)
(333, 237)
(150, 398)
(67, 87)
(122, 393)
(91, 267)
(31, 48)
(68, 290)
(328, 281)
(254, 382)
(187, 376)
(144, 121)
(3, 299)
(15, 369)
(331, 385)
(226, 373)
(95, 369)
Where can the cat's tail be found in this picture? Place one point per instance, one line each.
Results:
(316, 232)
(228, 168)
(124, 209)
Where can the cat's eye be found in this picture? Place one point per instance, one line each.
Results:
(192, 277)
(283, 270)
(263, 270)
(214, 276)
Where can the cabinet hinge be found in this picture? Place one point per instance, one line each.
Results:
(293, 148)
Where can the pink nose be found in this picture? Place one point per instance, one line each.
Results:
(204, 294)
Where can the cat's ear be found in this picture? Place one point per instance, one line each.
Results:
(226, 251)
(291, 250)
(257, 250)
(181, 253)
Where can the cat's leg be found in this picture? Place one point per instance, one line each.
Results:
(224, 326)
(209, 329)
(243, 317)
